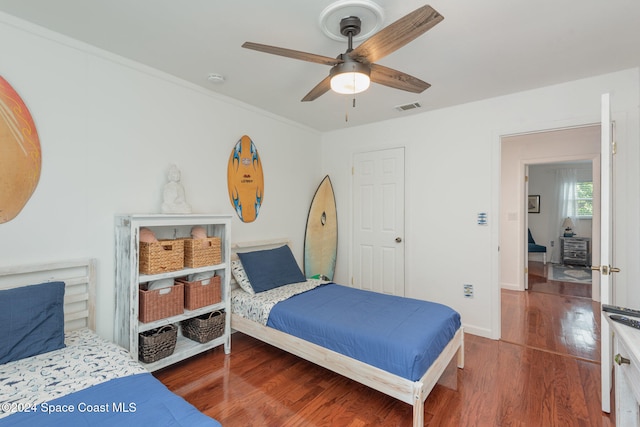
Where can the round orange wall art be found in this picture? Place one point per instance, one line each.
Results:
(20, 154)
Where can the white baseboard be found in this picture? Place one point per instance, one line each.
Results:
(481, 332)
(537, 256)
(510, 286)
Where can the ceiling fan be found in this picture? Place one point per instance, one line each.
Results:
(353, 70)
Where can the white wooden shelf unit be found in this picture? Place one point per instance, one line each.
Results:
(128, 279)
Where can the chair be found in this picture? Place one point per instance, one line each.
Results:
(535, 248)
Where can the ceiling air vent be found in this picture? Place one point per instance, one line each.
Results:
(407, 107)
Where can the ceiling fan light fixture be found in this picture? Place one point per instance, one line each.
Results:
(352, 71)
(350, 78)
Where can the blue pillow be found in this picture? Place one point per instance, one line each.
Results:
(271, 268)
(32, 319)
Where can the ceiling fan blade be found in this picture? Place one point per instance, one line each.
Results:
(396, 35)
(397, 79)
(295, 54)
(321, 88)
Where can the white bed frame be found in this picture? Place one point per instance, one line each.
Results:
(412, 392)
(79, 277)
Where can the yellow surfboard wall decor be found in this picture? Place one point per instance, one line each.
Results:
(321, 234)
(20, 153)
(245, 180)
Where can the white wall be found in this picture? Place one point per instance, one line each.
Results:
(453, 172)
(109, 129)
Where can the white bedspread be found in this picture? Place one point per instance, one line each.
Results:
(257, 307)
(86, 360)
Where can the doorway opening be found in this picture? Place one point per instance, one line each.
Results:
(560, 228)
(518, 153)
(546, 150)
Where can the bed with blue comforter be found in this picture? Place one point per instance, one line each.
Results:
(399, 346)
(90, 382)
(56, 372)
(399, 335)
(134, 400)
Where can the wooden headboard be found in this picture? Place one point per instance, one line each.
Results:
(258, 245)
(80, 285)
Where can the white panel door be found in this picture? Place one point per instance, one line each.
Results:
(378, 223)
(606, 247)
(526, 226)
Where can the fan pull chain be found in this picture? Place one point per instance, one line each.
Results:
(346, 113)
(354, 88)
(346, 110)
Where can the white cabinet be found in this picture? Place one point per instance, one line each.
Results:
(626, 351)
(128, 279)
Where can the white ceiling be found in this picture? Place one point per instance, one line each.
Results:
(482, 49)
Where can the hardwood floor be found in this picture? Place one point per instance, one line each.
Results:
(545, 372)
(538, 273)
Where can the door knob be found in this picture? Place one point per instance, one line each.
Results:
(620, 360)
(398, 239)
(605, 269)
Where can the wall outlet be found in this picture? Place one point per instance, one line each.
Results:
(468, 290)
(552, 243)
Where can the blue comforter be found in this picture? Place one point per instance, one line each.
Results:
(136, 400)
(399, 335)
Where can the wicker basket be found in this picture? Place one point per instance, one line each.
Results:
(157, 343)
(161, 256)
(160, 303)
(204, 328)
(201, 293)
(202, 252)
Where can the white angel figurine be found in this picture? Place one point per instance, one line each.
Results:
(174, 200)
